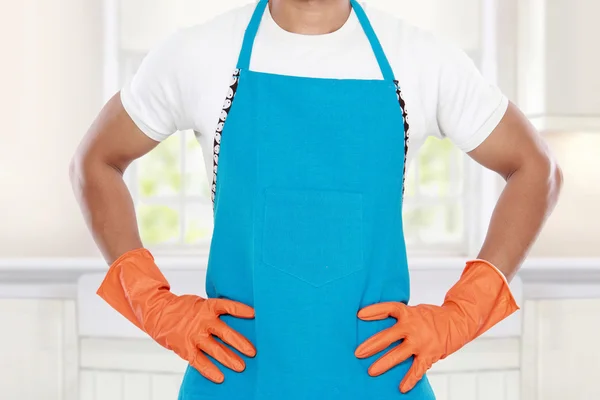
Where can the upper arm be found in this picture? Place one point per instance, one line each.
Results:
(511, 145)
(113, 139)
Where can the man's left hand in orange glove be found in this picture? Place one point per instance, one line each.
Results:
(478, 301)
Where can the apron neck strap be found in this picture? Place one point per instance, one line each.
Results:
(250, 35)
(252, 29)
(384, 65)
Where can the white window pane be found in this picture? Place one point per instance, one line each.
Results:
(410, 183)
(411, 221)
(199, 223)
(433, 207)
(416, 219)
(441, 224)
(439, 169)
(159, 172)
(159, 224)
(196, 180)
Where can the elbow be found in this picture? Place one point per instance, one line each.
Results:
(544, 177)
(79, 171)
(555, 181)
(88, 169)
(76, 171)
(73, 170)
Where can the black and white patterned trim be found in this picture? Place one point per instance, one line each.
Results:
(406, 131)
(217, 142)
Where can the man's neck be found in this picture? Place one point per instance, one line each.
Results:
(310, 17)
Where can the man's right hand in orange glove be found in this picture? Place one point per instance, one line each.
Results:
(187, 325)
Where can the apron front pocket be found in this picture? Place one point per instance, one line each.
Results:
(315, 236)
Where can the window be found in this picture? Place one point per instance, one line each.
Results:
(172, 193)
(435, 204)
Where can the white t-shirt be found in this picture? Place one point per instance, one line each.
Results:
(182, 83)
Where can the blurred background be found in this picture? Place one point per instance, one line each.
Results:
(62, 59)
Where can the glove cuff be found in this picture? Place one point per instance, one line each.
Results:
(483, 296)
(131, 275)
(472, 263)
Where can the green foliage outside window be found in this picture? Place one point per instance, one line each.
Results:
(160, 180)
(434, 210)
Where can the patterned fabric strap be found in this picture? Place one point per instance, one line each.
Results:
(217, 142)
(406, 132)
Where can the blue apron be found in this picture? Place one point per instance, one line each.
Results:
(308, 229)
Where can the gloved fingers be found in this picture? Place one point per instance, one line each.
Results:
(222, 354)
(206, 368)
(381, 311)
(414, 374)
(232, 337)
(392, 358)
(379, 342)
(233, 308)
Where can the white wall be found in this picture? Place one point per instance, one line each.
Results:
(141, 31)
(573, 57)
(38, 347)
(548, 63)
(462, 28)
(560, 350)
(549, 67)
(50, 77)
(574, 228)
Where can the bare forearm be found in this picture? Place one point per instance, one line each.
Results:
(111, 144)
(526, 202)
(107, 207)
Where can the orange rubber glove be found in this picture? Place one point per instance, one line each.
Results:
(135, 287)
(478, 301)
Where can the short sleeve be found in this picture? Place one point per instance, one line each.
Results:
(468, 106)
(156, 97)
